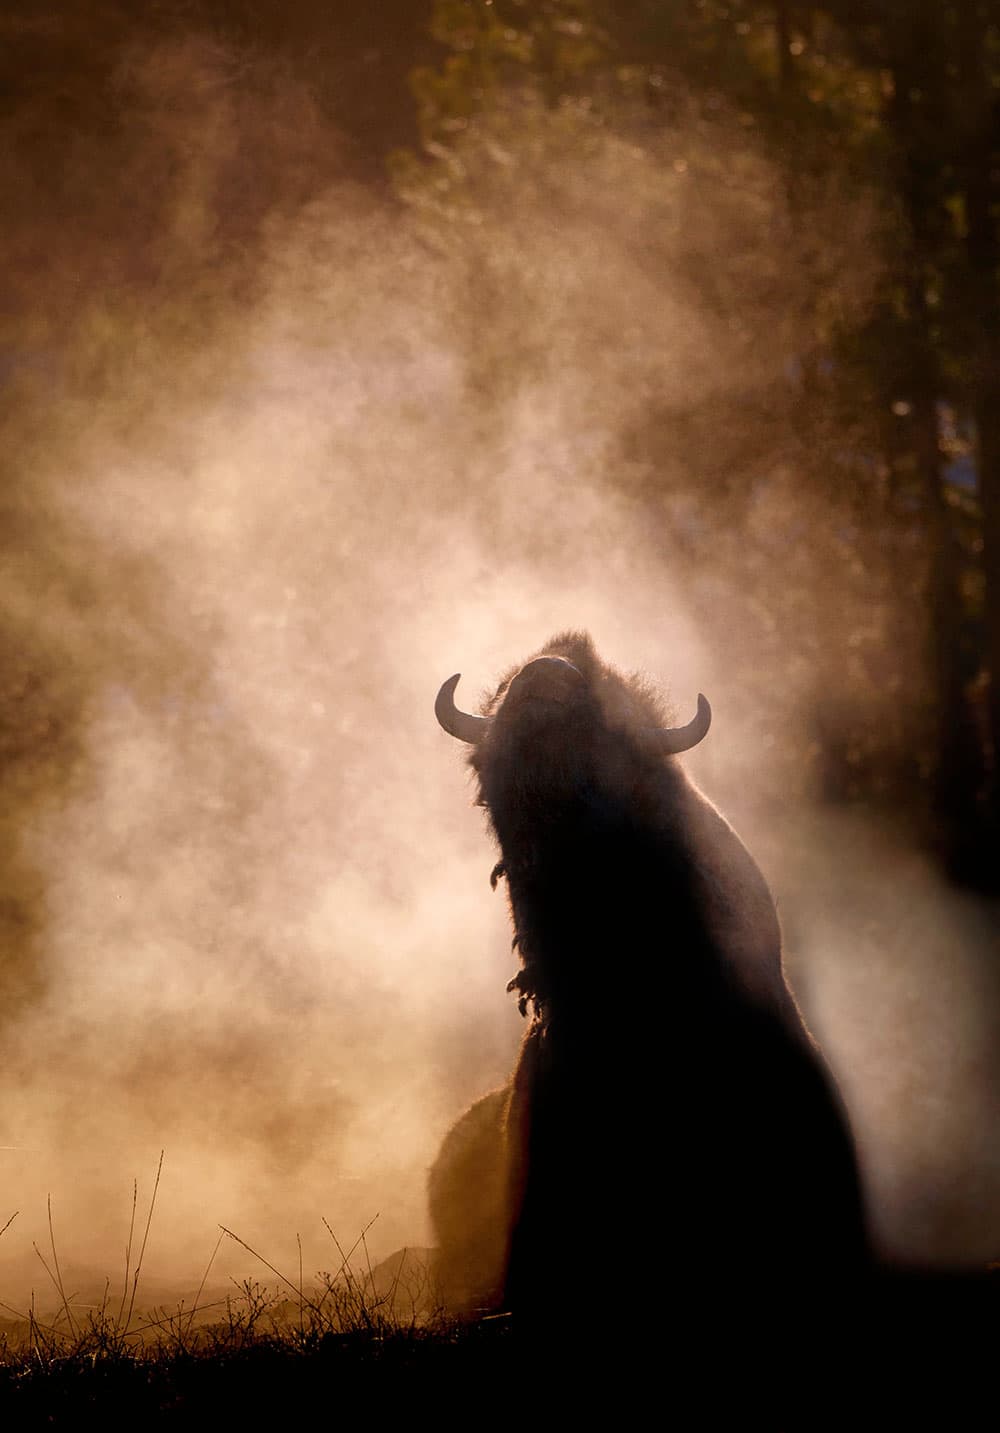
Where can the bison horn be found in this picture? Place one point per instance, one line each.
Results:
(671, 741)
(455, 722)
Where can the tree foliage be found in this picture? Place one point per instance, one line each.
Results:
(887, 410)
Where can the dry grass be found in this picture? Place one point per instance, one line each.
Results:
(371, 1342)
(353, 1337)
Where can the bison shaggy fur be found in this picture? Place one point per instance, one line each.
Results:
(671, 1137)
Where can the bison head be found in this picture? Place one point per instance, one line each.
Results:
(569, 759)
(565, 689)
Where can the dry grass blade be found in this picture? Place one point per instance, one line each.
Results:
(55, 1284)
(29, 1317)
(368, 1260)
(298, 1240)
(59, 1281)
(257, 1255)
(395, 1280)
(344, 1258)
(10, 1221)
(128, 1252)
(204, 1278)
(165, 1317)
(142, 1248)
(345, 1269)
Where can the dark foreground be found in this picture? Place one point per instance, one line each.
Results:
(921, 1350)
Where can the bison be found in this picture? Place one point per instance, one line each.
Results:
(668, 1096)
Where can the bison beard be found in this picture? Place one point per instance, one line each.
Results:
(671, 1140)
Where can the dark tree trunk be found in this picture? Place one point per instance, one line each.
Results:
(979, 161)
(783, 35)
(914, 118)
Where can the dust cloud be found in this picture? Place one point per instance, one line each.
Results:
(282, 455)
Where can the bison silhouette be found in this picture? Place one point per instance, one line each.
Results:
(671, 1139)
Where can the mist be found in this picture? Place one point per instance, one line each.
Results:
(284, 454)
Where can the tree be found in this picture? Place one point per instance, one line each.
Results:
(900, 105)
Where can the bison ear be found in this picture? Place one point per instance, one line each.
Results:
(671, 741)
(456, 722)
